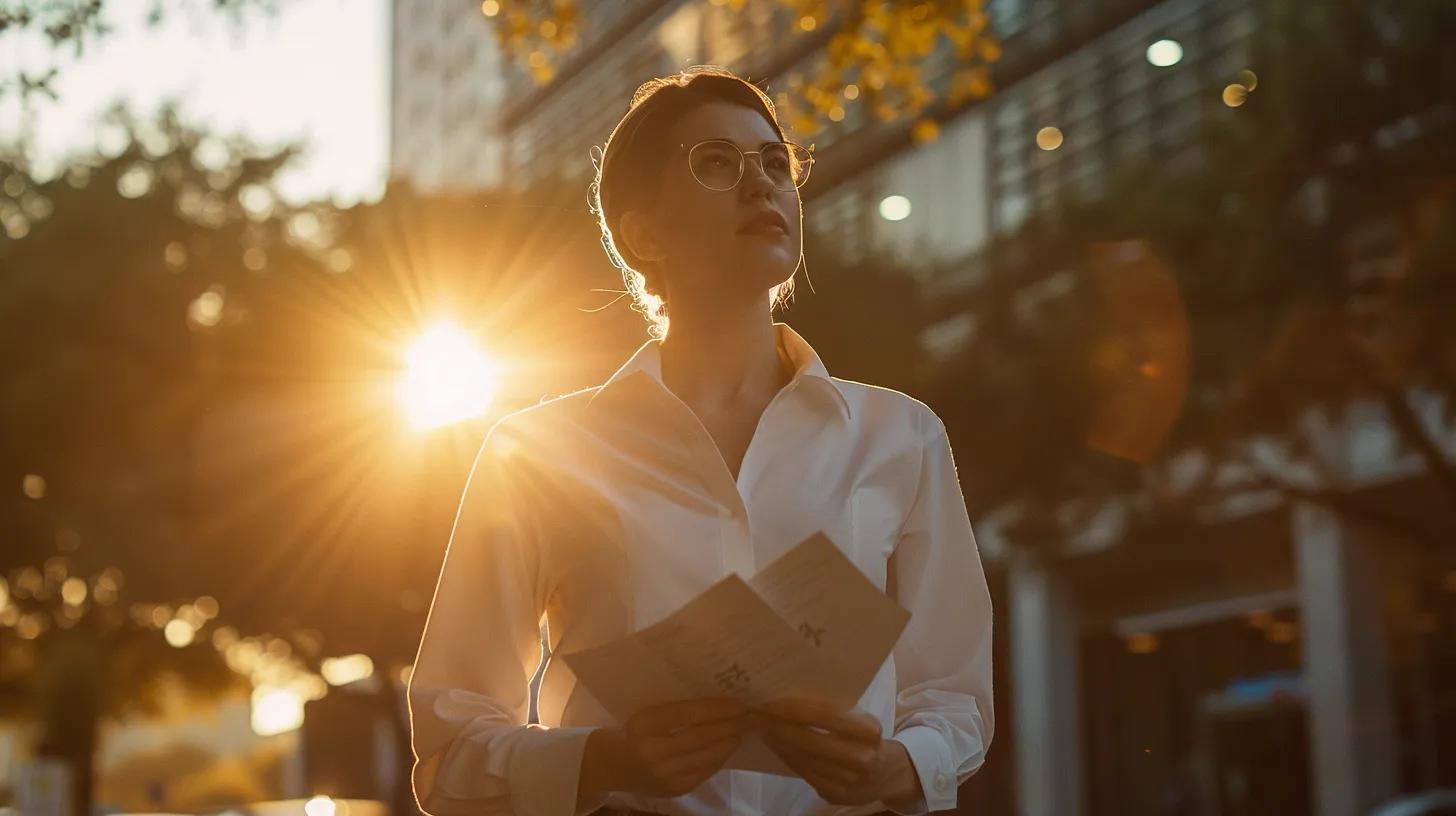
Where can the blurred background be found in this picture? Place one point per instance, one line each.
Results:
(1177, 274)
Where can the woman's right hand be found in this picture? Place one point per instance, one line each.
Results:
(666, 750)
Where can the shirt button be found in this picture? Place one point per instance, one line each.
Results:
(941, 782)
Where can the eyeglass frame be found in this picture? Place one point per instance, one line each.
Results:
(743, 162)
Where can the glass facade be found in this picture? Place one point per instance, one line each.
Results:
(1111, 106)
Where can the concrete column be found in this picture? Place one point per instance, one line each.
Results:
(1044, 674)
(1351, 724)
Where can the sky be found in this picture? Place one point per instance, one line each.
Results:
(316, 71)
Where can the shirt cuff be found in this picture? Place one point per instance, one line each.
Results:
(935, 767)
(545, 772)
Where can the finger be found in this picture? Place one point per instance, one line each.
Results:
(704, 760)
(808, 769)
(837, 774)
(815, 765)
(830, 748)
(691, 739)
(856, 724)
(668, 717)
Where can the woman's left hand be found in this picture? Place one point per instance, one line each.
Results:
(840, 753)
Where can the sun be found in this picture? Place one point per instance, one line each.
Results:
(447, 378)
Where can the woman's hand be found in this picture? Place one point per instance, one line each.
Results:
(840, 753)
(665, 750)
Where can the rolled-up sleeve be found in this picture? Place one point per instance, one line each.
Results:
(469, 693)
(943, 710)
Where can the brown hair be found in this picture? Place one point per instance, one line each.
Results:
(631, 161)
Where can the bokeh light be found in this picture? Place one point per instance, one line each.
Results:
(447, 378)
(1049, 138)
(207, 606)
(276, 710)
(206, 309)
(340, 260)
(33, 486)
(319, 806)
(255, 259)
(73, 591)
(175, 254)
(895, 208)
(1235, 95)
(257, 201)
(179, 633)
(30, 627)
(1165, 53)
(341, 671)
(136, 181)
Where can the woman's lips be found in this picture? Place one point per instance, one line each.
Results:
(764, 230)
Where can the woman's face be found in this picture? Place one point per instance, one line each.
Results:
(707, 257)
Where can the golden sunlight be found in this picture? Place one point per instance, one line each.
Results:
(447, 378)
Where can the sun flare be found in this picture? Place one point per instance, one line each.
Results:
(447, 378)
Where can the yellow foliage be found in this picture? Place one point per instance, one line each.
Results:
(879, 47)
(925, 130)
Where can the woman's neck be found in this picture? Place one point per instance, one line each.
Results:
(722, 359)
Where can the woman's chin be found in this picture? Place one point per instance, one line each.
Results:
(773, 259)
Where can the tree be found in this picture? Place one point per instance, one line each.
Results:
(1296, 261)
(885, 56)
(119, 273)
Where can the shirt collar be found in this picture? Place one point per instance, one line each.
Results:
(800, 355)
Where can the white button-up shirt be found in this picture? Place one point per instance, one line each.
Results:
(606, 510)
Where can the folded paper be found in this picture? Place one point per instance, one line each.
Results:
(809, 625)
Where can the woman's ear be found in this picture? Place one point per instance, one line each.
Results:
(640, 235)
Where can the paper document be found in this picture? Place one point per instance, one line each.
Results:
(808, 625)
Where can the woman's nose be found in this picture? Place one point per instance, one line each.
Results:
(755, 180)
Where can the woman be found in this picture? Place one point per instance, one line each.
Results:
(719, 445)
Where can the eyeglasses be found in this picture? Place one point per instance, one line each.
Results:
(718, 163)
